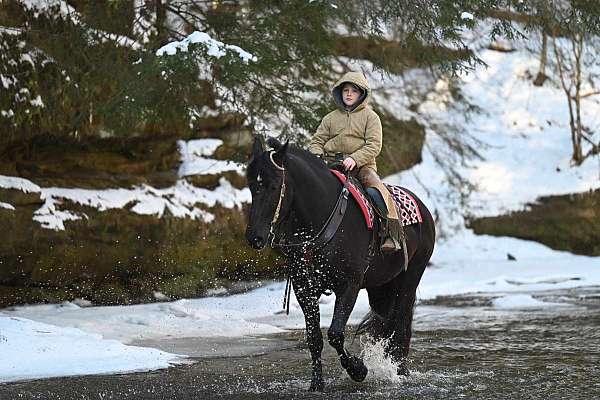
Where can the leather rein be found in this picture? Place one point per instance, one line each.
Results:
(328, 229)
(319, 240)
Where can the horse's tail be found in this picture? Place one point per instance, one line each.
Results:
(379, 323)
(373, 324)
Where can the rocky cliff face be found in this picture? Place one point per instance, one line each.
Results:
(120, 223)
(564, 222)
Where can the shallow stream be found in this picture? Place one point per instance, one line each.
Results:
(462, 347)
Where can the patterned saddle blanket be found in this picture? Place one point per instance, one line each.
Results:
(406, 205)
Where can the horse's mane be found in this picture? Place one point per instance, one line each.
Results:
(295, 151)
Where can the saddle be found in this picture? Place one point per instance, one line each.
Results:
(372, 205)
(406, 205)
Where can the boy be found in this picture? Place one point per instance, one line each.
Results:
(354, 130)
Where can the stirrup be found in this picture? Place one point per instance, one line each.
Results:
(395, 232)
(390, 245)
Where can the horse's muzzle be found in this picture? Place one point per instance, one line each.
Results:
(257, 242)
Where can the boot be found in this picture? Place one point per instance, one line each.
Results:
(394, 236)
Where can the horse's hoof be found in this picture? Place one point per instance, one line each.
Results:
(316, 386)
(356, 369)
(403, 369)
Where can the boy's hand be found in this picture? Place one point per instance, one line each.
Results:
(349, 163)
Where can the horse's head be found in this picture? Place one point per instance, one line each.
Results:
(266, 175)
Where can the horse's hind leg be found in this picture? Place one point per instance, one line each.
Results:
(399, 344)
(344, 304)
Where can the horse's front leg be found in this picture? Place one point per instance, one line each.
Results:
(309, 302)
(344, 304)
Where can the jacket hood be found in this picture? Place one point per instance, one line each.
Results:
(359, 80)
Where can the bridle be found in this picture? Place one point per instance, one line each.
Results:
(318, 241)
(281, 196)
(325, 234)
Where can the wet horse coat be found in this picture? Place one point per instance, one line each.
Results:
(293, 194)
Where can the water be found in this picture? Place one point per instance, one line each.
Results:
(462, 348)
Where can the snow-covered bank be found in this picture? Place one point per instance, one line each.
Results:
(33, 350)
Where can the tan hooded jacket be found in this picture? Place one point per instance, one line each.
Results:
(356, 133)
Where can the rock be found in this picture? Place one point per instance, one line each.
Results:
(18, 198)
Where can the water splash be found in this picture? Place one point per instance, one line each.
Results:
(381, 366)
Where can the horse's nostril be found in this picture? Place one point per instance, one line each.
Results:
(259, 242)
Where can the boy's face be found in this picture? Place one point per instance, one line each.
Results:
(350, 94)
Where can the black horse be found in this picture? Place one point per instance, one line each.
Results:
(293, 195)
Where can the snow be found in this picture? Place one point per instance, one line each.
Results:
(214, 47)
(6, 205)
(9, 30)
(466, 15)
(521, 301)
(193, 161)
(179, 200)
(24, 185)
(53, 351)
(6, 81)
(144, 21)
(37, 102)
(525, 134)
(64, 10)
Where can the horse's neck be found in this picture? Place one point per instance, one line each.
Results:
(315, 195)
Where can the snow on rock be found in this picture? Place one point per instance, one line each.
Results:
(24, 185)
(194, 162)
(181, 200)
(52, 351)
(50, 217)
(6, 206)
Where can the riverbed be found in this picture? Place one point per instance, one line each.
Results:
(462, 347)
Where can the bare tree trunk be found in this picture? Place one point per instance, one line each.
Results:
(577, 53)
(161, 16)
(541, 75)
(575, 138)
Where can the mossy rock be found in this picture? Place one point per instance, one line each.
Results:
(211, 181)
(119, 257)
(18, 198)
(567, 222)
(10, 295)
(402, 145)
(396, 57)
(95, 163)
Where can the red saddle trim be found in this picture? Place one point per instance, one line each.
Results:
(360, 200)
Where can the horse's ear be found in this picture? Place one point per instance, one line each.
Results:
(273, 143)
(279, 155)
(257, 148)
